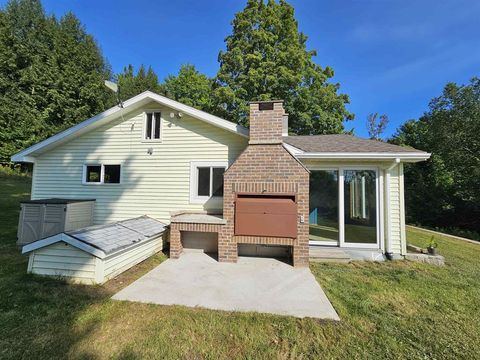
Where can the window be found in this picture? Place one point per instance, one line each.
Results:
(345, 207)
(206, 181)
(152, 125)
(101, 174)
(93, 173)
(112, 174)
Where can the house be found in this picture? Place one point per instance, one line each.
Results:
(227, 189)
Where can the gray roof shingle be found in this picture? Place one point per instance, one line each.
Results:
(113, 237)
(344, 143)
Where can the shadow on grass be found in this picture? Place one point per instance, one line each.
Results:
(40, 317)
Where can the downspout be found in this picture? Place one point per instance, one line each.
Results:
(388, 245)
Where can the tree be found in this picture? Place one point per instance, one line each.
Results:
(51, 75)
(132, 84)
(445, 191)
(376, 125)
(189, 87)
(266, 58)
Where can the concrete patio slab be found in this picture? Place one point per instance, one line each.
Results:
(253, 284)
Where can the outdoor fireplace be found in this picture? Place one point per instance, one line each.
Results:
(266, 190)
(273, 215)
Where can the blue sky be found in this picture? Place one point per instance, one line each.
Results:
(389, 56)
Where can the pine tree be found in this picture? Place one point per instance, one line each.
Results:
(51, 75)
(132, 84)
(266, 58)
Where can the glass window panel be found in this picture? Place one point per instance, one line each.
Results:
(93, 173)
(323, 218)
(360, 206)
(157, 126)
(148, 130)
(217, 181)
(112, 174)
(203, 181)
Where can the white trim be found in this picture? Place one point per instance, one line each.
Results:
(28, 154)
(194, 165)
(403, 234)
(413, 156)
(144, 130)
(292, 149)
(102, 173)
(65, 238)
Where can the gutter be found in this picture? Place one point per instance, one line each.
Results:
(388, 244)
(413, 156)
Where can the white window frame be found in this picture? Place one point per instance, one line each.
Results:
(341, 219)
(102, 174)
(144, 131)
(194, 165)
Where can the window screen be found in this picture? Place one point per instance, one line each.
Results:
(93, 173)
(203, 181)
(112, 174)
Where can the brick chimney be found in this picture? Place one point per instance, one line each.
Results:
(268, 122)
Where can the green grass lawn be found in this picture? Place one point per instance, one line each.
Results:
(389, 310)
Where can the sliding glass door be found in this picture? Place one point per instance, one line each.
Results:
(344, 206)
(360, 206)
(323, 218)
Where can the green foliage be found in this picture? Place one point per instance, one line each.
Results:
(132, 84)
(266, 58)
(51, 75)
(445, 191)
(432, 243)
(189, 87)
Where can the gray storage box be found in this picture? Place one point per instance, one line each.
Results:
(42, 218)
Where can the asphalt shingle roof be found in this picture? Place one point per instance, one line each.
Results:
(113, 237)
(344, 143)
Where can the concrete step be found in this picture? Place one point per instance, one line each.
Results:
(329, 255)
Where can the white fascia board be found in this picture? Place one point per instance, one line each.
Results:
(292, 149)
(65, 238)
(27, 155)
(202, 115)
(409, 157)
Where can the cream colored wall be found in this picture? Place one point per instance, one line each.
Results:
(118, 263)
(63, 260)
(395, 209)
(151, 185)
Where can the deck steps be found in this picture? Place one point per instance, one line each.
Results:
(325, 254)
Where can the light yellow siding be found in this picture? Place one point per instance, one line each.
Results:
(395, 210)
(153, 185)
(63, 260)
(125, 260)
(66, 261)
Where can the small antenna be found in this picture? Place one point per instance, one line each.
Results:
(116, 89)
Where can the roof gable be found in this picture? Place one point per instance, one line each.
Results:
(115, 112)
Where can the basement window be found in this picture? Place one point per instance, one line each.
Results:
(101, 174)
(152, 126)
(206, 181)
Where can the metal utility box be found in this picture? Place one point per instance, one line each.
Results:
(272, 215)
(46, 217)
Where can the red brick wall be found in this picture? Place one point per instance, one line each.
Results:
(266, 125)
(265, 166)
